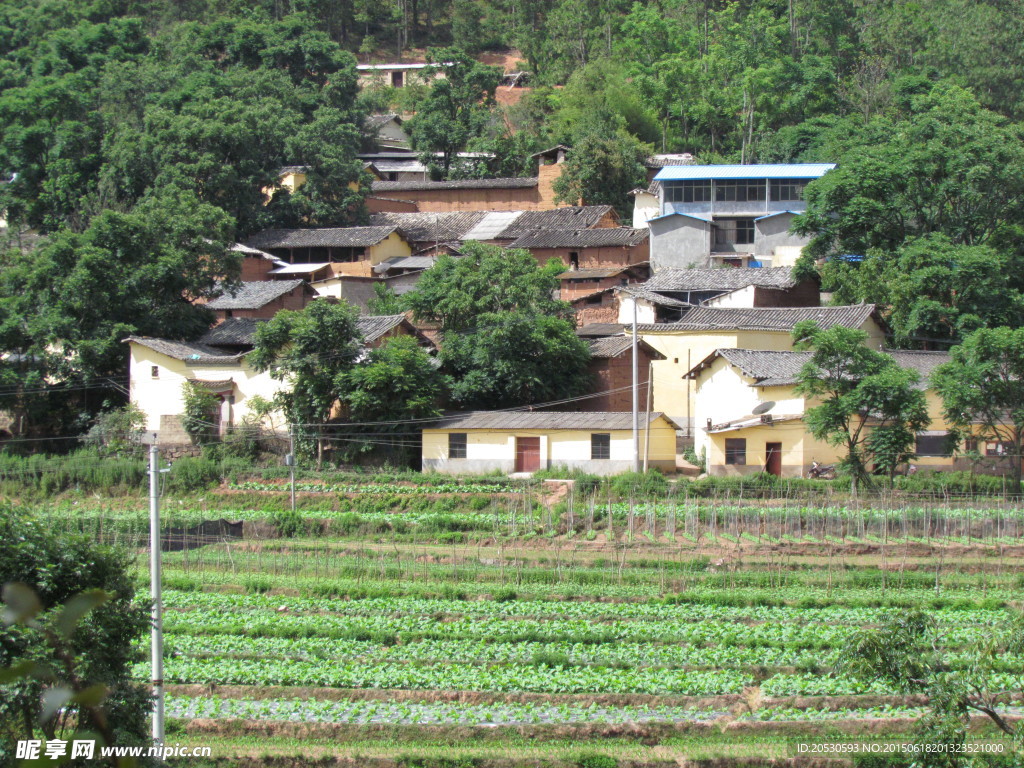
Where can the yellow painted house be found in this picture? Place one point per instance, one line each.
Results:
(705, 329)
(526, 441)
(750, 419)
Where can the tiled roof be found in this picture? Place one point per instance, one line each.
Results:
(377, 121)
(593, 330)
(567, 217)
(582, 238)
(254, 295)
(374, 326)
(235, 331)
(640, 292)
(406, 262)
(429, 227)
(492, 225)
(722, 279)
(597, 420)
(765, 319)
(776, 369)
(187, 351)
(325, 237)
(592, 274)
(610, 346)
(663, 161)
(414, 186)
(300, 269)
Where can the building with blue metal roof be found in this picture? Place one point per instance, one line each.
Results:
(730, 215)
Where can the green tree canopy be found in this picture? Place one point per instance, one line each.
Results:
(868, 404)
(485, 279)
(59, 567)
(982, 394)
(515, 358)
(311, 351)
(601, 169)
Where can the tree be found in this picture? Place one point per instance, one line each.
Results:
(601, 169)
(944, 165)
(310, 350)
(515, 358)
(384, 301)
(457, 109)
(869, 405)
(396, 386)
(981, 391)
(198, 413)
(71, 630)
(906, 654)
(485, 279)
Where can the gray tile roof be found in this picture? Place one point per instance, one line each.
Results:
(188, 351)
(765, 319)
(592, 330)
(235, 331)
(602, 237)
(372, 327)
(377, 121)
(775, 369)
(610, 346)
(567, 217)
(640, 292)
(721, 279)
(591, 420)
(595, 273)
(254, 295)
(406, 262)
(415, 186)
(327, 237)
(429, 227)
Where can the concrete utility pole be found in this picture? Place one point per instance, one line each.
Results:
(636, 397)
(155, 582)
(290, 461)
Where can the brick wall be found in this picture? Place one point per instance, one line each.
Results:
(390, 205)
(296, 299)
(806, 294)
(616, 256)
(616, 373)
(605, 312)
(255, 269)
(469, 200)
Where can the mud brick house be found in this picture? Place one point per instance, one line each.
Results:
(348, 250)
(262, 299)
(611, 365)
(584, 248)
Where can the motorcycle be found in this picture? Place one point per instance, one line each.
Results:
(820, 471)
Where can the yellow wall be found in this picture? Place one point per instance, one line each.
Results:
(490, 449)
(163, 395)
(393, 246)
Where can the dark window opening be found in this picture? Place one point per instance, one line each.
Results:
(688, 192)
(397, 80)
(574, 260)
(600, 445)
(784, 190)
(595, 298)
(736, 450)
(739, 190)
(933, 445)
(154, 372)
(456, 445)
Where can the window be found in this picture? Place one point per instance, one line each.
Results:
(734, 231)
(739, 190)
(574, 260)
(784, 190)
(397, 80)
(999, 449)
(600, 445)
(456, 445)
(736, 450)
(933, 444)
(154, 372)
(595, 298)
(688, 192)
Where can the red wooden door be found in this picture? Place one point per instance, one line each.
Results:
(773, 459)
(527, 454)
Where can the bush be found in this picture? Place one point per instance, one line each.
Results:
(640, 484)
(594, 760)
(289, 524)
(193, 474)
(583, 482)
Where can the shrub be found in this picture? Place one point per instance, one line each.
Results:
(257, 585)
(192, 474)
(289, 524)
(594, 760)
(638, 484)
(505, 595)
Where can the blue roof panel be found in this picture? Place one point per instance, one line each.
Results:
(773, 171)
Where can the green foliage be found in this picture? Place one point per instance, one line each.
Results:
(639, 484)
(72, 626)
(867, 404)
(456, 110)
(596, 760)
(118, 432)
(200, 412)
(384, 301)
(981, 391)
(601, 169)
(192, 474)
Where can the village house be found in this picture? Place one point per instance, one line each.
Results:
(261, 299)
(528, 441)
(611, 368)
(729, 215)
(705, 329)
(587, 248)
(387, 132)
(216, 362)
(670, 293)
(344, 250)
(749, 418)
(395, 75)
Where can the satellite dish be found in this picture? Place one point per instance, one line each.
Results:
(764, 407)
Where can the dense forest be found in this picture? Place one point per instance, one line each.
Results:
(137, 137)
